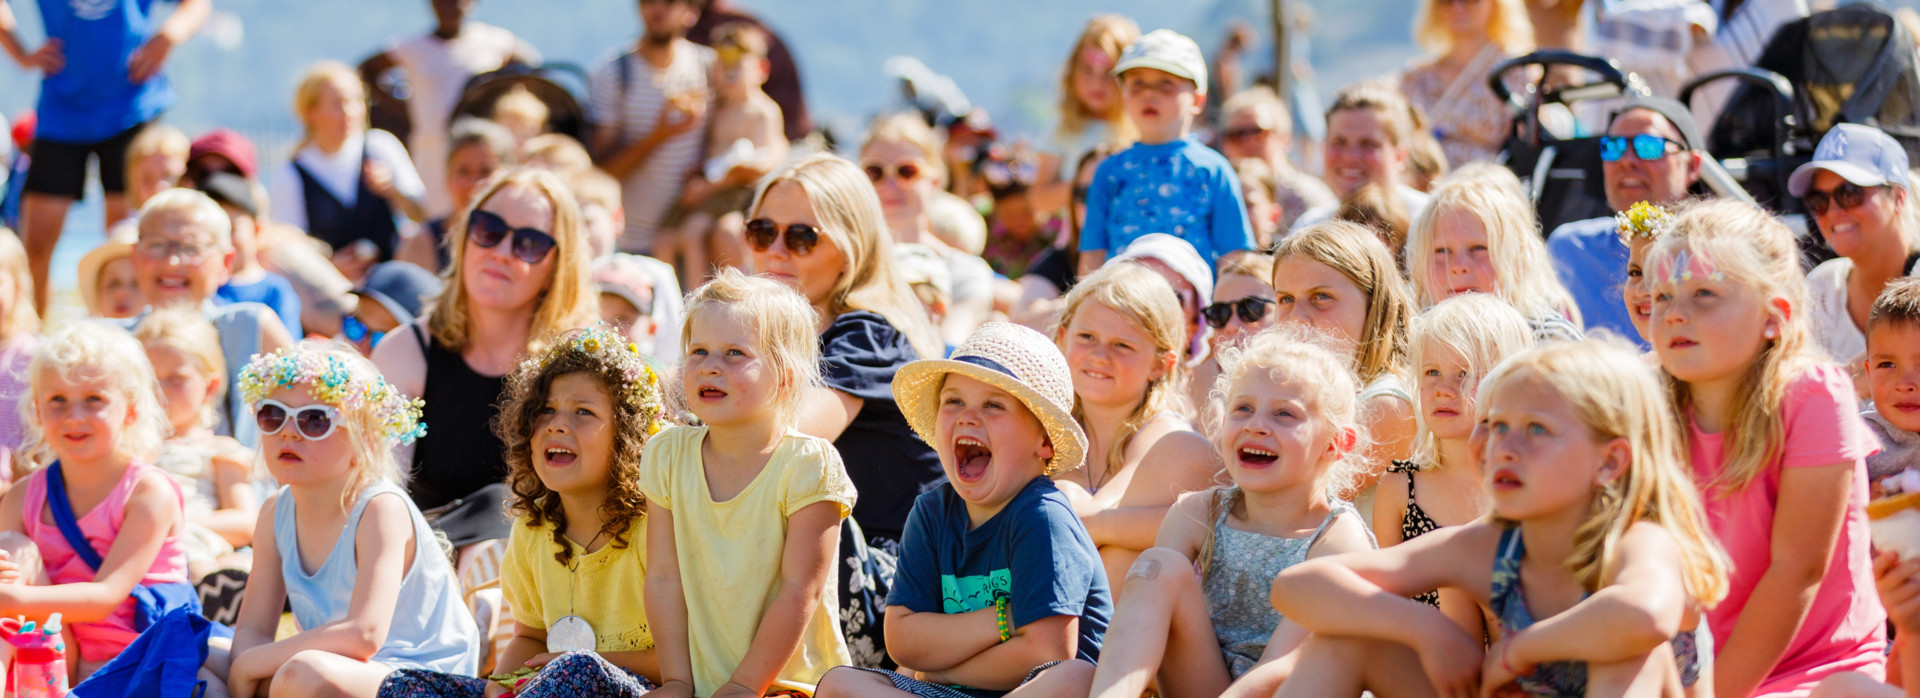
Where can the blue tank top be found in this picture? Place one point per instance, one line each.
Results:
(431, 629)
(90, 100)
(1692, 651)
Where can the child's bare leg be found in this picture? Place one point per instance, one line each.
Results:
(1068, 678)
(728, 241)
(848, 682)
(1165, 614)
(313, 674)
(1650, 675)
(1345, 666)
(693, 247)
(1117, 560)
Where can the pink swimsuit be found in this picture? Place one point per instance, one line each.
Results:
(103, 639)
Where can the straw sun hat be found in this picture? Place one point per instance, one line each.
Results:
(1018, 360)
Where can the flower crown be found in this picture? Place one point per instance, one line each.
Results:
(333, 381)
(1643, 220)
(601, 345)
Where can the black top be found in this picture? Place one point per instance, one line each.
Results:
(888, 463)
(1052, 265)
(460, 454)
(371, 217)
(1414, 521)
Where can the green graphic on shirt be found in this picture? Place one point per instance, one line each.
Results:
(963, 594)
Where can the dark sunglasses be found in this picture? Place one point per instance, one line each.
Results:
(356, 330)
(312, 421)
(1241, 134)
(1646, 146)
(1251, 309)
(1847, 195)
(801, 238)
(487, 229)
(907, 172)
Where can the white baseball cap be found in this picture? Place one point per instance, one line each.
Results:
(1168, 50)
(1863, 155)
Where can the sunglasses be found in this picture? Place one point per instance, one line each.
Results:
(762, 233)
(314, 422)
(1241, 134)
(907, 172)
(355, 330)
(487, 229)
(1646, 146)
(1847, 195)
(1250, 309)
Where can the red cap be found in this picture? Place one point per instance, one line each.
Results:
(229, 144)
(23, 126)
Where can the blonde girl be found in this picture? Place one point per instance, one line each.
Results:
(1464, 41)
(576, 417)
(1593, 516)
(343, 159)
(1290, 435)
(339, 541)
(1122, 332)
(1338, 277)
(1369, 131)
(1090, 111)
(214, 472)
(744, 512)
(94, 422)
(156, 160)
(1479, 235)
(1778, 449)
(1454, 345)
(1639, 227)
(19, 335)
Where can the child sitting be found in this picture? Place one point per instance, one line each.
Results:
(744, 512)
(745, 141)
(1893, 354)
(19, 335)
(1596, 565)
(1166, 182)
(214, 472)
(1000, 589)
(575, 420)
(96, 418)
(340, 542)
(1289, 435)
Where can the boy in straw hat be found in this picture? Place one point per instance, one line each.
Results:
(1000, 590)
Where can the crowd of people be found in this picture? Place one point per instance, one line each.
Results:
(1177, 404)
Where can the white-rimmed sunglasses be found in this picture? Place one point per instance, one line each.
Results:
(314, 422)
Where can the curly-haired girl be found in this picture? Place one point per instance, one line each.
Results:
(574, 419)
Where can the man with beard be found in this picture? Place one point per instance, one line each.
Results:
(650, 108)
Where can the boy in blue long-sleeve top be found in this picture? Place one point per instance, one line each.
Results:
(1166, 183)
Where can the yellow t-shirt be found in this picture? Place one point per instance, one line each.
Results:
(729, 552)
(605, 588)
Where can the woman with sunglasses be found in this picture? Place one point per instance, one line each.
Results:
(1858, 190)
(816, 226)
(519, 272)
(1242, 306)
(1465, 40)
(902, 159)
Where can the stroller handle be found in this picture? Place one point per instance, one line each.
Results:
(1774, 83)
(1609, 73)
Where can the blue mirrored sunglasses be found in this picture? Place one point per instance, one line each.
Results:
(1646, 146)
(354, 330)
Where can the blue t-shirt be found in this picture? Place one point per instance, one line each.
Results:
(90, 99)
(1592, 263)
(1035, 551)
(1180, 188)
(274, 291)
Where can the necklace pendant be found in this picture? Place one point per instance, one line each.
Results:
(570, 634)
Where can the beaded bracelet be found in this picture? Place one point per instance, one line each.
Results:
(1000, 616)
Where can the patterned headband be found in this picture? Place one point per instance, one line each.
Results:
(1643, 221)
(332, 380)
(599, 344)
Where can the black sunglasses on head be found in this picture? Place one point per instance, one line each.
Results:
(1251, 309)
(763, 232)
(1847, 195)
(487, 229)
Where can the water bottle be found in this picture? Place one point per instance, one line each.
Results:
(39, 668)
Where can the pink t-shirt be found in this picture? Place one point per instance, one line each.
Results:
(1845, 629)
(103, 639)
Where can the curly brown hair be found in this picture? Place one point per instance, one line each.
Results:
(638, 414)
